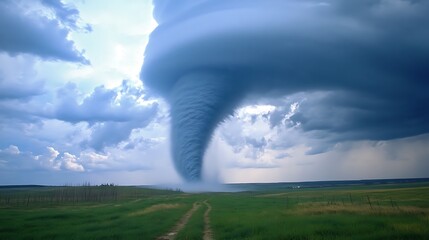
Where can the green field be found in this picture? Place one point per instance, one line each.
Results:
(395, 211)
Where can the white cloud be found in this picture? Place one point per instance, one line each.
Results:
(69, 162)
(49, 160)
(13, 150)
(34, 118)
(94, 159)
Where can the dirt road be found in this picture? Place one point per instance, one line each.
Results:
(208, 234)
(181, 224)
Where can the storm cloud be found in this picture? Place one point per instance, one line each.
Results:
(366, 62)
(112, 114)
(40, 28)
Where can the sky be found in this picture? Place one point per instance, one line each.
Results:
(75, 108)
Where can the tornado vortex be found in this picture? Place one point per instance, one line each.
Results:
(205, 56)
(199, 101)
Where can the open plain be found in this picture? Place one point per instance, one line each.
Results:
(385, 211)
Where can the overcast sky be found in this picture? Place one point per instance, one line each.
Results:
(73, 108)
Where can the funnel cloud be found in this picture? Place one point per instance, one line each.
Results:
(205, 57)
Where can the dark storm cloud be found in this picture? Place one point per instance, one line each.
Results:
(371, 56)
(358, 116)
(25, 28)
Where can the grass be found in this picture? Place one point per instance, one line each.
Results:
(94, 220)
(362, 213)
(359, 212)
(195, 228)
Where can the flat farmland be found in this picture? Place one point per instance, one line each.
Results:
(387, 211)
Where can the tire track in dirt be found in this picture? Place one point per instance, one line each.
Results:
(208, 233)
(172, 234)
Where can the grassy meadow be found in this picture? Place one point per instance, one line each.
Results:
(388, 211)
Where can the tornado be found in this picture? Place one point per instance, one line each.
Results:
(206, 56)
(199, 101)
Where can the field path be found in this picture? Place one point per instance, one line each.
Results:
(208, 234)
(181, 224)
